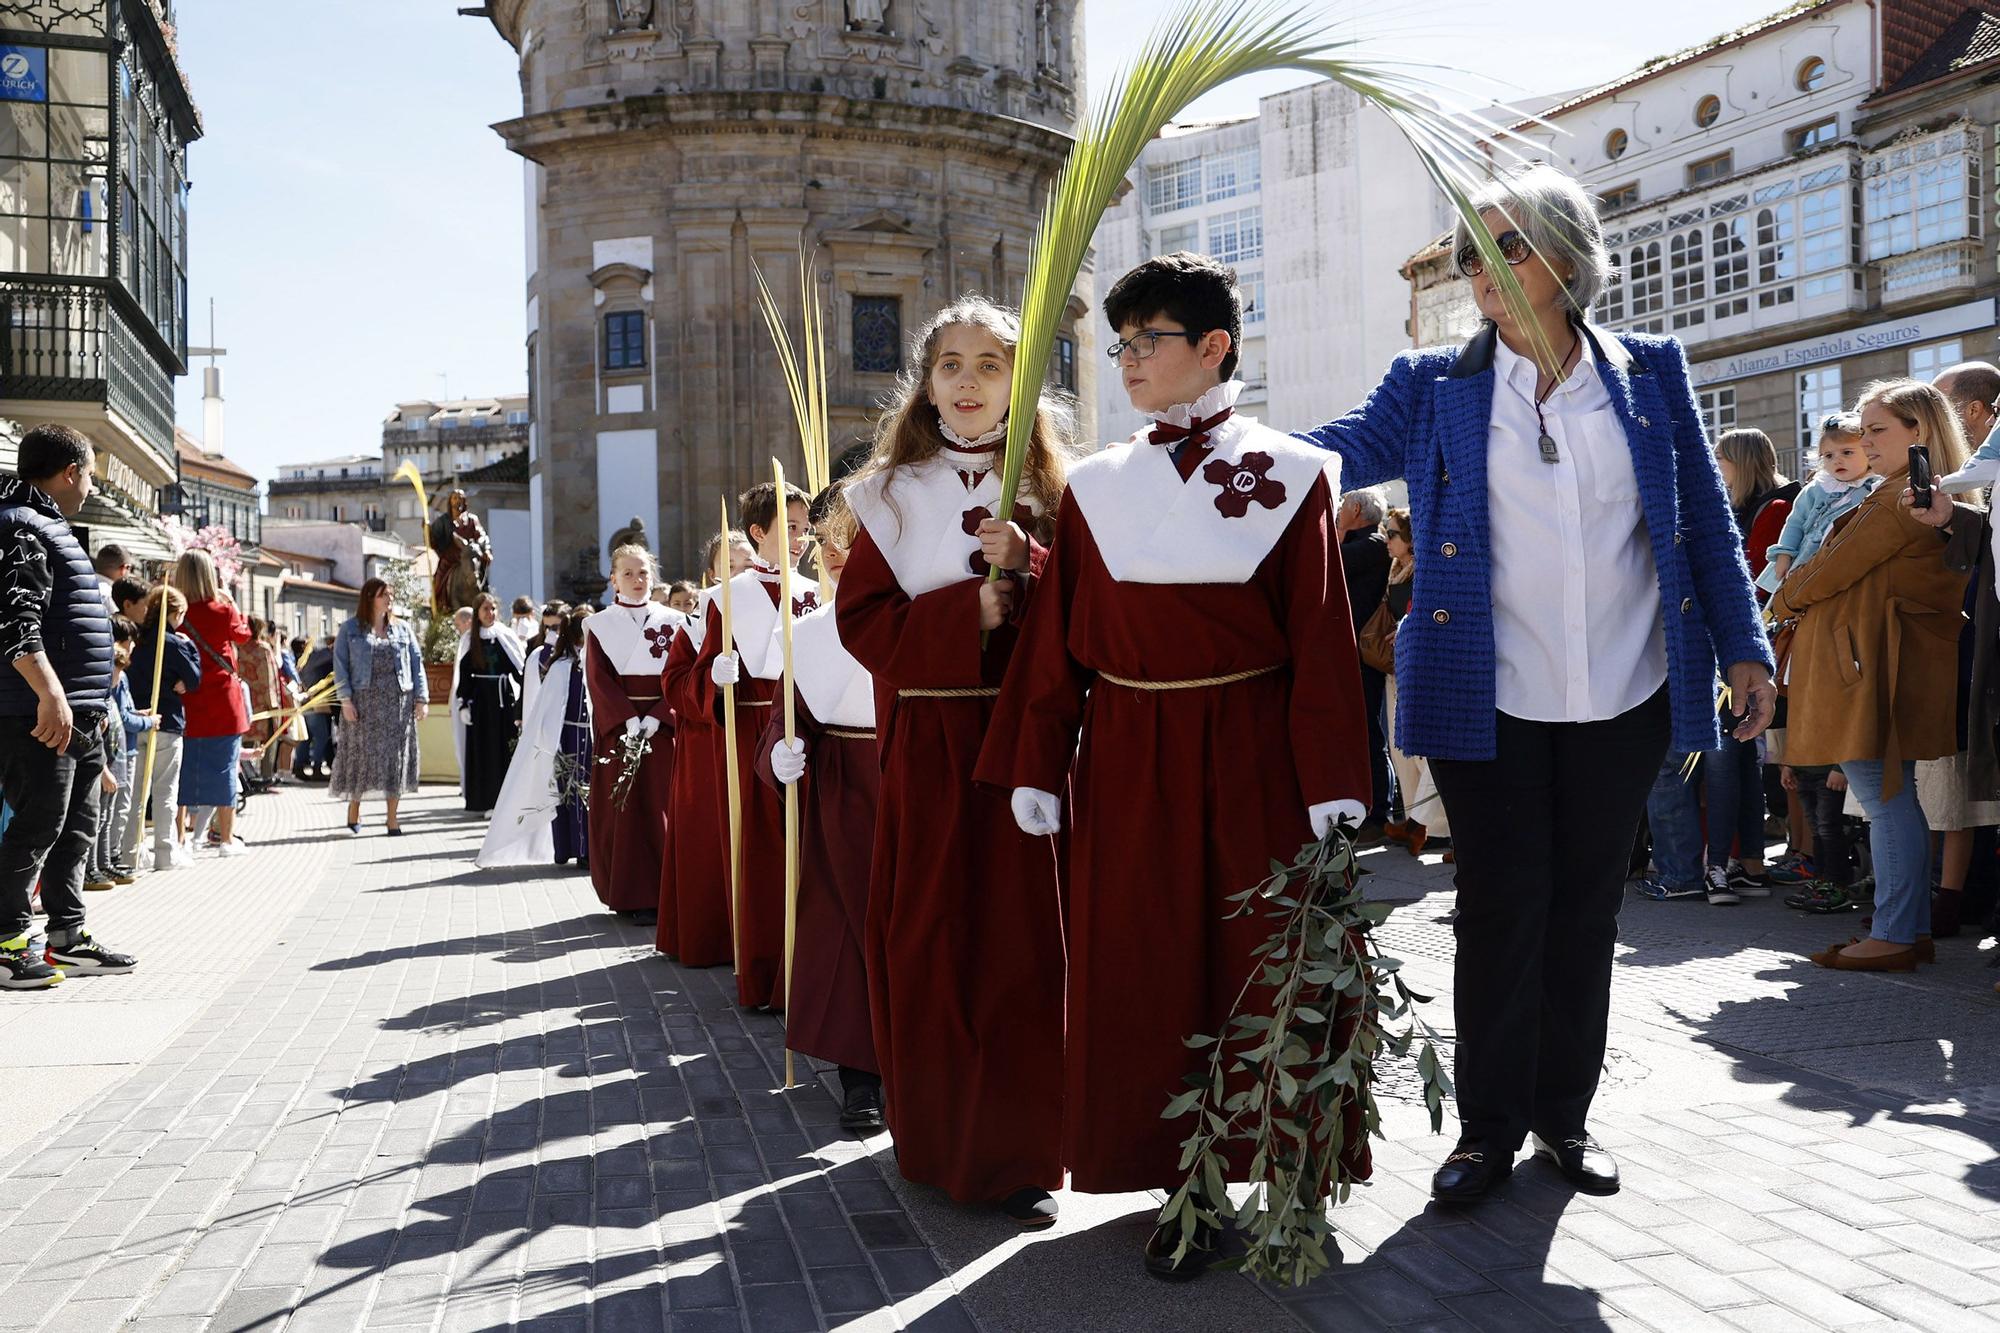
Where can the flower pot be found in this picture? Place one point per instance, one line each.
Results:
(438, 676)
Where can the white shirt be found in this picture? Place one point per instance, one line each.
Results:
(1576, 597)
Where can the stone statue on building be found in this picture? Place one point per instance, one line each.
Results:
(464, 567)
(1048, 38)
(633, 15)
(868, 15)
(632, 534)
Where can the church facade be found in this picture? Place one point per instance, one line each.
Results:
(676, 148)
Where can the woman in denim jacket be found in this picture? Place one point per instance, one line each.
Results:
(378, 673)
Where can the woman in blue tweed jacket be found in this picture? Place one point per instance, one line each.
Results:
(1578, 578)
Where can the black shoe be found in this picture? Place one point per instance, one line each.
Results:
(1582, 1160)
(861, 1109)
(1472, 1172)
(1371, 834)
(84, 954)
(645, 916)
(1034, 1209)
(22, 968)
(1166, 1239)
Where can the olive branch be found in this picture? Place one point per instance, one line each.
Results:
(1292, 1076)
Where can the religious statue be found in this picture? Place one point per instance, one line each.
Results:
(868, 15)
(633, 15)
(464, 555)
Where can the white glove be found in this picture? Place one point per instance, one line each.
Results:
(1328, 813)
(788, 761)
(632, 725)
(465, 715)
(726, 671)
(1038, 812)
(649, 725)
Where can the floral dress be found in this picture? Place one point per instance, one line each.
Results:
(377, 753)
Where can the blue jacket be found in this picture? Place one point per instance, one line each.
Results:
(353, 660)
(181, 665)
(135, 723)
(1427, 422)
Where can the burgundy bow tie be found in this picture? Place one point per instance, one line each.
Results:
(1196, 433)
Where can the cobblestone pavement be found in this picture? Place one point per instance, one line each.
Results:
(360, 1084)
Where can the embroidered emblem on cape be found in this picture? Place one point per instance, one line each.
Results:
(1243, 482)
(658, 639)
(804, 602)
(969, 523)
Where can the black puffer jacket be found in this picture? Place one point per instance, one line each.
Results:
(50, 602)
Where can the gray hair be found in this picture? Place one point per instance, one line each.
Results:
(1372, 504)
(1558, 219)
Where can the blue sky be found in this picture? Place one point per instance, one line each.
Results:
(359, 226)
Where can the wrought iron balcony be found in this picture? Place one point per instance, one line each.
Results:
(67, 342)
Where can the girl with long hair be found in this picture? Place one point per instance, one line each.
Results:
(964, 933)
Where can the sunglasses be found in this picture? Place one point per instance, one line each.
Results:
(1513, 247)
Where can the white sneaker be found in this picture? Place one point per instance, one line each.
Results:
(234, 847)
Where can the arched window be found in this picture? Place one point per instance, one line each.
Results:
(1729, 255)
(1689, 276)
(1812, 75)
(1645, 291)
(1615, 144)
(1707, 111)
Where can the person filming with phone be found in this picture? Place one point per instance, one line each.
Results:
(1871, 671)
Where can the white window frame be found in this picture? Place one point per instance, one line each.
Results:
(1251, 287)
(1718, 409)
(1239, 171)
(1185, 236)
(1234, 238)
(1928, 361)
(1819, 393)
(1171, 186)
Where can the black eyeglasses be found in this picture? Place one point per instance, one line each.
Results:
(1513, 247)
(1147, 341)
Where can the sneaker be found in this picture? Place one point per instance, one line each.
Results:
(234, 847)
(1746, 884)
(84, 954)
(1662, 892)
(21, 968)
(122, 874)
(1792, 870)
(1824, 899)
(97, 881)
(1715, 883)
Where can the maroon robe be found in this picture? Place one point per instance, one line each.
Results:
(1180, 799)
(626, 845)
(964, 942)
(828, 1014)
(694, 883)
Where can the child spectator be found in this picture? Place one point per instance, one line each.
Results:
(1842, 482)
(180, 674)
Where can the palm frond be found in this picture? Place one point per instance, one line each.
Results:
(804, 368)
(1196, 48)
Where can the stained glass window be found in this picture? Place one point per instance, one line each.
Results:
(878, 335)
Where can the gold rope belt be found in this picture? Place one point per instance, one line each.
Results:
(986, 692)
(846, 735)
(753, 703)
(643, 698)
(1202, 684)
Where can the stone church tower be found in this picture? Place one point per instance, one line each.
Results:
(671, 143)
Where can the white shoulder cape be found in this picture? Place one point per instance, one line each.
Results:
(520, 832)
(837, 689)
(921, 525)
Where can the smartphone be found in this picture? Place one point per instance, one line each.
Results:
(1920, 476)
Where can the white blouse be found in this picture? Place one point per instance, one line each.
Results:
(1576, 596)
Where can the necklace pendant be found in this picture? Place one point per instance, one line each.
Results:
(1549, 454)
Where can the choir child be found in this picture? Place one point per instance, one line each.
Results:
(694, 925)
(488, 698)
(624, 650)
(964, 947)
(752, 664)
(1192, 628)
(827, 1015)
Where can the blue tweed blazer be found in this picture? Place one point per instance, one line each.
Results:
(1427, 422)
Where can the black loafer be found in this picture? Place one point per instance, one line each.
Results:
(1166, 1238)
(861, 1110)
(1582, 1160)
(1031, 1208)
(1472, 1172)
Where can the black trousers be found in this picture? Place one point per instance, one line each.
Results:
(1543, 833)
(54, 798)
(1374, 688)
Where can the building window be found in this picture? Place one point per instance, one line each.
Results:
(1618, 196)
(444, 423)
(1645, 289)
(1611, 306)
(1187, 236)
(1615, 144)
(1823, 236)
(1234, 173)
(1172, 185)
(1813, 135)
(518, 418)
(1062, 365)
(1811, 76)
(295, 511)
(1916, 208)
(1704, 170)
(1729, 260)
(1926, 363)
(1819, 394)
(1707, 111)
(1251, 285)
(878, 335)
(1235, 237)
(1684, 263)
(1718, 410)
(625, 340)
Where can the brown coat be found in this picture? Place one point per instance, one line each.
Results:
(1874, 664)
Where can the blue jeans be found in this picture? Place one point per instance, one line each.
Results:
(319, 739)
(1900, 841)
(1735, 782)
(1674, 816)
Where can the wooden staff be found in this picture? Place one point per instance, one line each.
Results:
(791, 734)
(731, 782)
(153, 706)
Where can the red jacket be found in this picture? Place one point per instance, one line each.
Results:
(216, 706)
